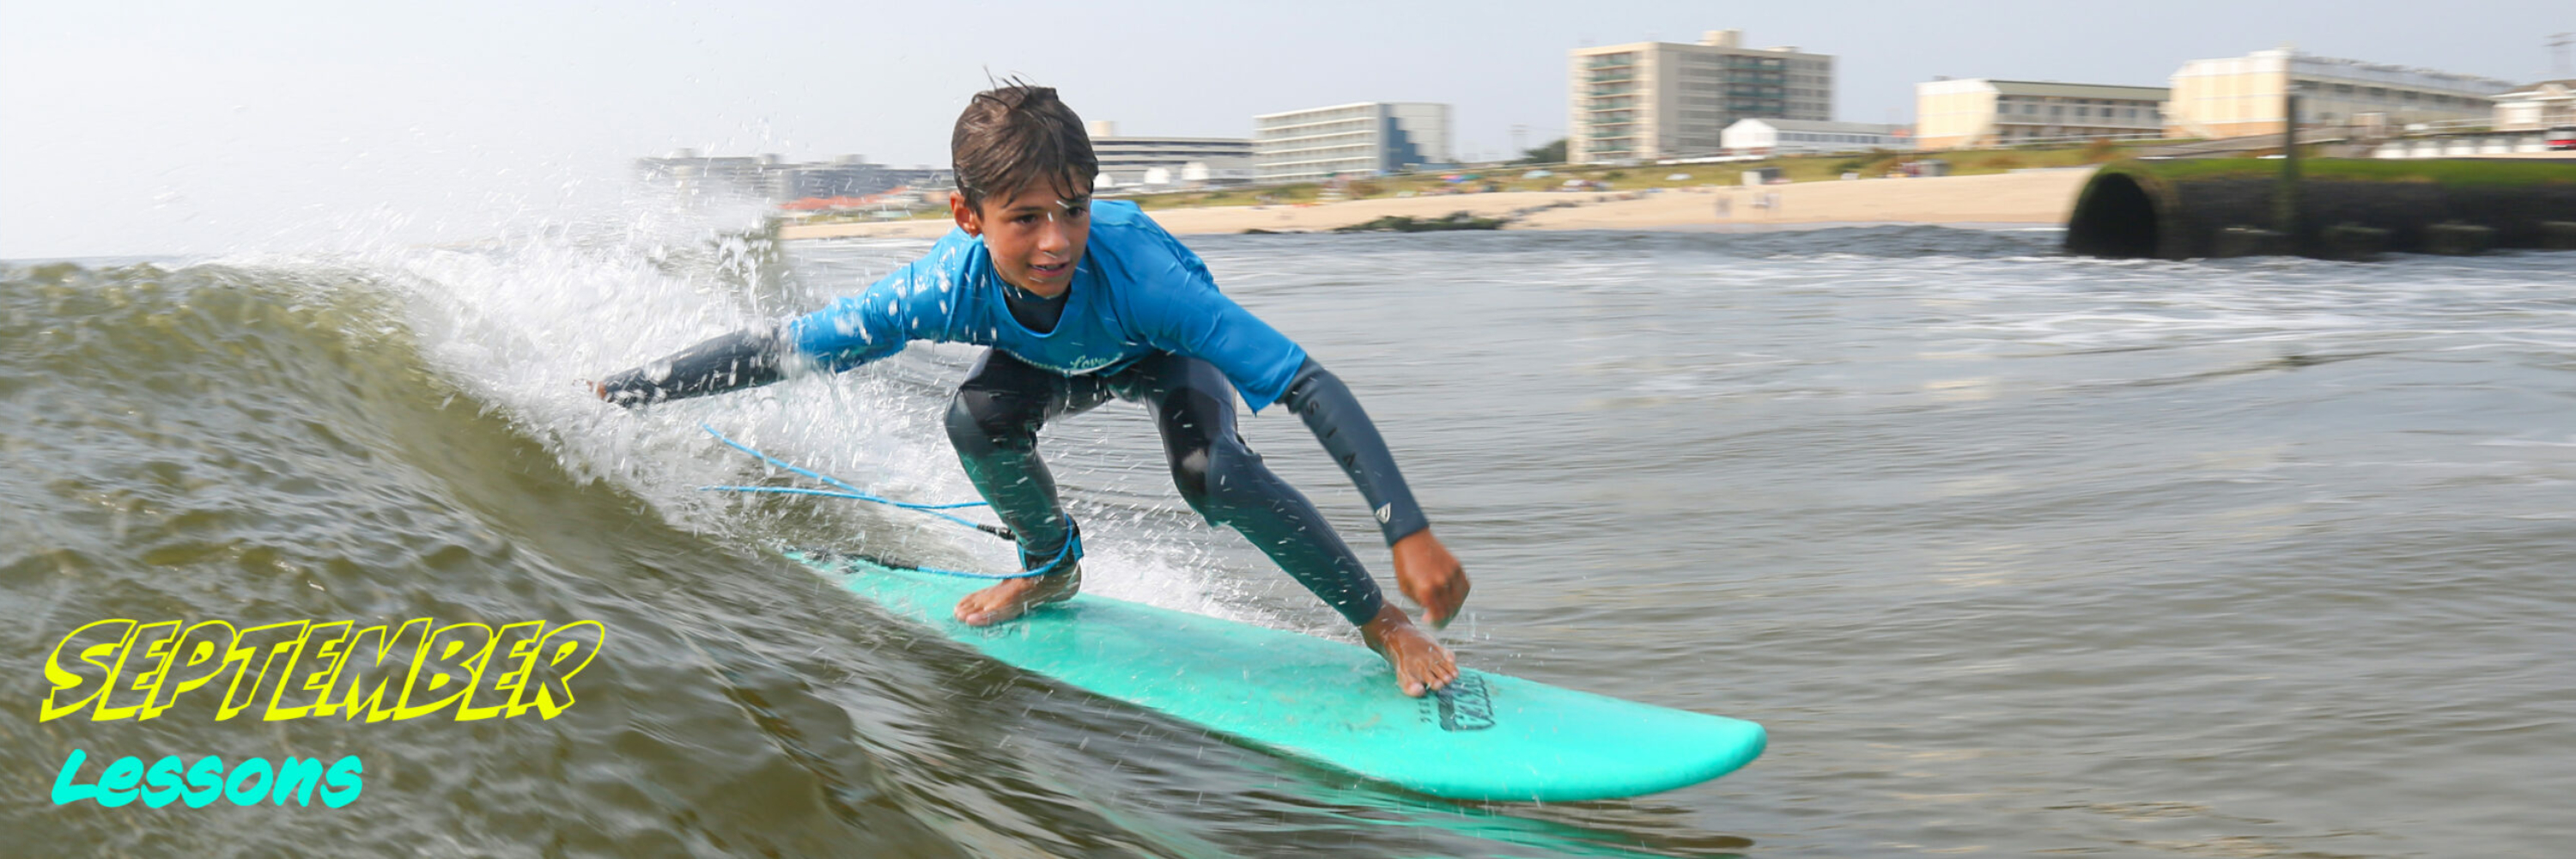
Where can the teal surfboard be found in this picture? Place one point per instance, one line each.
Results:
(1486, 737)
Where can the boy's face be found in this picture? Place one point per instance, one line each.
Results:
(1035, 237)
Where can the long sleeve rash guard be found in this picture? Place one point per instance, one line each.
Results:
(1135, 292)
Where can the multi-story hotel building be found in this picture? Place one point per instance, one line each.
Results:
(1954, 114)
(1127, 161)
(2238, 96)
(1653, 100)
(1364, 139)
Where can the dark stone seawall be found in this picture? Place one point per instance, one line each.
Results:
(2345, 208)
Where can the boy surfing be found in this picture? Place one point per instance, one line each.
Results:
(1081, 303)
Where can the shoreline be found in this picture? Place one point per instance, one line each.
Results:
(2036, 197)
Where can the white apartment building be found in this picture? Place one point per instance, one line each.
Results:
(2238, 96)
(1645, 101)
(1953, 114)
(1136, 161)
(1792, 136)
(1364, 139)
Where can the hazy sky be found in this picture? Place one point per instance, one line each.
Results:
(208, 127)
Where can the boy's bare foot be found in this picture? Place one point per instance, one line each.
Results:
(1014, 597)
(1421, 664)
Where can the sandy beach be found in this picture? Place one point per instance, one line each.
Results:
(2038, 196)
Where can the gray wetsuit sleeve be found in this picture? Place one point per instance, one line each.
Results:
(743, 359)
(1334, 415)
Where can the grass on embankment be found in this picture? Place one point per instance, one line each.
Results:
(2456, 172)
(1796, 168)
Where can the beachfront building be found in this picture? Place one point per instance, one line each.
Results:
(2541, 106)
(843, 176)
(1366, 139)
(767, 177)
(1979, 112)
(2239, 96)
(695, 176)
(1794, 136)
(1138, 162)
(1646, 101)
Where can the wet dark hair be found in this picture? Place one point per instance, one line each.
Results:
(1016, 135)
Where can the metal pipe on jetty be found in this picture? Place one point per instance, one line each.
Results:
(2334, 208)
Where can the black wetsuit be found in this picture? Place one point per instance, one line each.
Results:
(994, 418)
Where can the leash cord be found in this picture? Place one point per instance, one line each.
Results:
(1071, 552)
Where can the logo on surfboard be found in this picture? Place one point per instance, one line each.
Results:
(1464, 705)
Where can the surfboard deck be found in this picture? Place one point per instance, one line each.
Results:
(1487, 737)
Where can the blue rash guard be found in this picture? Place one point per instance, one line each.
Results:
(1136, 292)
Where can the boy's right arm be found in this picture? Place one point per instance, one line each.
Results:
(850, 331)
(743, 359)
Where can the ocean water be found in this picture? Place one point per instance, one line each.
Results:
(2014, 553)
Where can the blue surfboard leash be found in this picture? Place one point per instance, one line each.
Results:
(1071, 552)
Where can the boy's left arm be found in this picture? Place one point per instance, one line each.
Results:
(1424, 569)
(1191, 317)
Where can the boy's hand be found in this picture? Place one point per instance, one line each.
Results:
(1430, 576)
